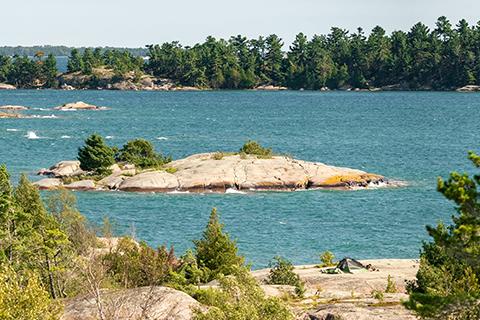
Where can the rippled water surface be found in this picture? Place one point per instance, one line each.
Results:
(413, 137)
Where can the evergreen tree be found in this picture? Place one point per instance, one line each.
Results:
(50, 71)
(216, 254)
(96, 156)
(75, 62)
(448, 281)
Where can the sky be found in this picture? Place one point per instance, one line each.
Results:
(135, 23)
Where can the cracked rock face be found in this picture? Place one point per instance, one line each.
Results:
(202, 173)
(160, 303)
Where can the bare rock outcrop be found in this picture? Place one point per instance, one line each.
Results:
(5, 86)
(160, 303)
(206, 173)
(81, 185)
(48, 183)
(10, 107)
(469, 88)
(63, 169)
(79, 105)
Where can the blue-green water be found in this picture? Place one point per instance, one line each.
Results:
(413, 137)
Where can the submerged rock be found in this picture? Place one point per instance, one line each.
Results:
(79, 105)
(160, 303)
(11, 115)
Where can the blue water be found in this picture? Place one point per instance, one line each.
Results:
(413, 137)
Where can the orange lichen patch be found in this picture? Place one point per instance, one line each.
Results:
(351, 179)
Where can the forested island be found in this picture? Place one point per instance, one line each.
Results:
(446, 57)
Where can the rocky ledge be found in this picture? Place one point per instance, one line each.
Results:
(79, 105)
(11, 115)
(208, 172)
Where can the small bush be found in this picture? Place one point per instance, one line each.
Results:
(141, 153)
(391, 286)
(377, 294)
(218, 155)
(240, 297)
(254, 148)
(281, 272)
(327, 259)
(171, 170)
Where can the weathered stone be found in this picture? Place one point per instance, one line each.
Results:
(160, 303)
(63, 169)
(79, 105)
(469, 88)
(112, 182)
(10, 107)
(157, 181)
(48, 183)
(4, 86)
(11, 115)
(81, 185)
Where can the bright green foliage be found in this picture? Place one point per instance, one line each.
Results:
(22, 297)
(240, 298)
(327, 259)
(253, 147)
(447, 284)
(142, 154)
(135, 265)
(62, 206)
(216, 254)
(96, 156)
(391, 286)
(281, 272)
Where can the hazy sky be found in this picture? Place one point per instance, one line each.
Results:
(134, 23)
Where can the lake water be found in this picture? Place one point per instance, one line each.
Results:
(413, 137)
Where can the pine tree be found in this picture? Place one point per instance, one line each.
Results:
(448, 281)
(75, 62)
(215, 252)
(96, 156)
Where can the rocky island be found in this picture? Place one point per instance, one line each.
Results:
(212, 172)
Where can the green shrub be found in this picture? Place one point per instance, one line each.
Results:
(281, 272)
(391, 286)
(254, 148)
(240, 297)
(96, 156)
(377, 294)
(141, 153)
(135, 265)
(218, 156)
(216, 253)
(327, 259)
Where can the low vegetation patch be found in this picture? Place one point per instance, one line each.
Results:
(281, 272)
(326, 259)
(254, 148)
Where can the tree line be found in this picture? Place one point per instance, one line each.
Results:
(59, 51)
(442, 58)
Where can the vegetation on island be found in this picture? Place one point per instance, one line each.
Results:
(442, 58)
(448, 281)
(97, 157)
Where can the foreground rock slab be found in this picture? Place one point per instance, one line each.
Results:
(208, 172)
(160, 303)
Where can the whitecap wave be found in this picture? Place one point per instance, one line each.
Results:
(52, 116)
(31, 135)
(162, 138)
(178, 192)
(66, 137)
(42, 109)
(232, 190)
(109, 137)
(12, 130)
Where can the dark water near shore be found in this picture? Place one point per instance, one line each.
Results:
(413, 137)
